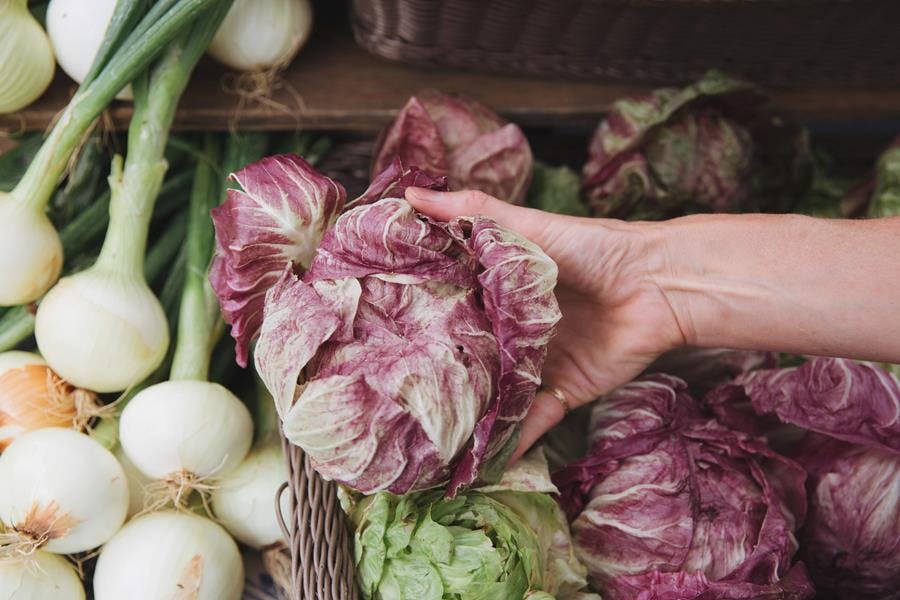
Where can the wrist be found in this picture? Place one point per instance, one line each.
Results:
(642, 254)
(715, 272)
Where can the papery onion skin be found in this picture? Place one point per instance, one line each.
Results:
(72, 483)
(42, 575)
(26, 58)
(169, 555)
(243, 502)
(102, 331)
(31, 254)
(193, 426)
(33, 397)
(240, 44)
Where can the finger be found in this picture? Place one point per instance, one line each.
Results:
(545, 412)
(443, 206)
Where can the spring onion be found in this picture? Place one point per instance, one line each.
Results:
(80, 234)
(26, 58)
(239, 45)
(139, 485)
(243, 501)
(188, 430)
(169, 554)
(63, 493)
(30, 251)
(32, 397)
(76, 31)
(45, 576)
(103, 328)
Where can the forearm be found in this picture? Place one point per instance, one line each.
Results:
(782, 282)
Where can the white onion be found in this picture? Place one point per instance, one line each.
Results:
(244, 500)
(31, 255)
(102, 330)
(185, 427)
(76, 30)
(262, 34)
(139, 495)
(65, 484)
(43, 575)
(15, 359)
(167, 555)
(26, 58)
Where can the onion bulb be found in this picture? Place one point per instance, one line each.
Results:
(26, 58)
(102, 329)
(32, 397)
(44, 575)
(62, 492)
(76, 30)
(169, 554)
(15, 359)
(244, 500)
(31, 255)
(138, 483)
(183, 432)
(259, 35)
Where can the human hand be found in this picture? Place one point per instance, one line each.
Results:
(615, 318)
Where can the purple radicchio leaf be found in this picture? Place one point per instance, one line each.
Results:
(706, 368)
(393, 181)
(852, 401)
(517, 281)
(670, 504)
(401, 334)
(710, 146)
(851, 539)
(454, 136)
(273, 222)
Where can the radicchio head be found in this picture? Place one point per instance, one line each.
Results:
(668, 504)
(454, 136)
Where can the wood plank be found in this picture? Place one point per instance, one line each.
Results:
(335, 85)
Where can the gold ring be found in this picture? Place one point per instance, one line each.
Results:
(560, 397)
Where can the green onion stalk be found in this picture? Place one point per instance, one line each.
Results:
(103, 329)
(186, 290)
(182, 433)
(31, 254)
(81, 234)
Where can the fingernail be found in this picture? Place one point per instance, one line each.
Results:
(422, 194)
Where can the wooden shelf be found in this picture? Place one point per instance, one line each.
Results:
(335, 85)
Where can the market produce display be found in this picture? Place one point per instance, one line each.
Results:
(169, 314)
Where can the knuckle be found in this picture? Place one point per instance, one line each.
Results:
(478, 200)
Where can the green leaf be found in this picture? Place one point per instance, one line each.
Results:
(556, 190)
(886, 199)
(413, 578)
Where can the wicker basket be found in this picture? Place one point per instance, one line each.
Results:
(318, 534)
(316, 529)
(780, 42)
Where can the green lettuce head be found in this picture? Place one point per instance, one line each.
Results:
(886, 197)
(506, 541)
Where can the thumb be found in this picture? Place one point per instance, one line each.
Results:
(443, 206)
(545, 412)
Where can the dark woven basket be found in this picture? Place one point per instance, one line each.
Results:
(779, 42)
